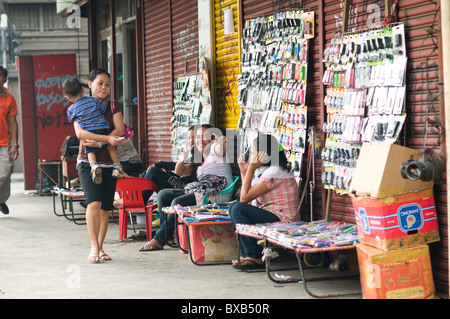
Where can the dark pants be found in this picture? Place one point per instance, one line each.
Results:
(157, 176)
(171, 197)
(132, 169)
(160, 178)
(242, 213)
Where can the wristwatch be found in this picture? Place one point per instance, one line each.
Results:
(16, 145)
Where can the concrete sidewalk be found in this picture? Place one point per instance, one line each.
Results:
(44, 256)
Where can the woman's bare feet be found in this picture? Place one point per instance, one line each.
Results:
(103, 256)
(94, 259)
(93, 256)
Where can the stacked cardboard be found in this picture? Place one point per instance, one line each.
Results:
(396, 218)
(397, 274)
(397, 221)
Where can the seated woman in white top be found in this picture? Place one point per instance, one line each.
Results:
(214, 174)
(211, 160)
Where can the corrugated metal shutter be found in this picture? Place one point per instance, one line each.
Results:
(341, 206)
(362, 15)
(252, 9)
(422, 21)
(422, 38)
(332, 17)
(184, 37)
(422, 25)
(171, 50)
(227, 66)
(158, 78)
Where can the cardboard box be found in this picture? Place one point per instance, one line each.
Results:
(397, 221)
(398, 274)
(377, 172)
(212, 243)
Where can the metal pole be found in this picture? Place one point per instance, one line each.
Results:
(445, 26)
(3, 26)
(312, 182)
(345, 15)
(4, 47)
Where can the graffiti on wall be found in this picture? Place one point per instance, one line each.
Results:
(50, 112)
(49, 95)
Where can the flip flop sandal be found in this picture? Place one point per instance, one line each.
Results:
(253, 265)
(93, 259)
(154, 248)
(104, 257)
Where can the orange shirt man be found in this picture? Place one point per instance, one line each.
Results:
(9, 147)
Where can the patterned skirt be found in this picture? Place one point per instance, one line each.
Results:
(208, 185)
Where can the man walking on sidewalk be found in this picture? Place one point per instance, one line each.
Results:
(9, 132)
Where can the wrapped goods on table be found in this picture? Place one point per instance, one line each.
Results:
(317, 234)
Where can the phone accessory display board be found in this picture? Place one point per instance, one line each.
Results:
(365, 79)
(191, 106)
(272, 83)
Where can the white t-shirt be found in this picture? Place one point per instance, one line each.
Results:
(215, 165)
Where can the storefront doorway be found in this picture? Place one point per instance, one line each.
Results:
(117, 55)
(126, 75)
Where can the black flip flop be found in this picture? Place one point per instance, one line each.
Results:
(253, 266)
(155, 248)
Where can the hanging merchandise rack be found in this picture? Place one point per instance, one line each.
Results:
(272, 83)
(365, 78)
(192, 105)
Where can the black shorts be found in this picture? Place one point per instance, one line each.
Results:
(98, 193)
